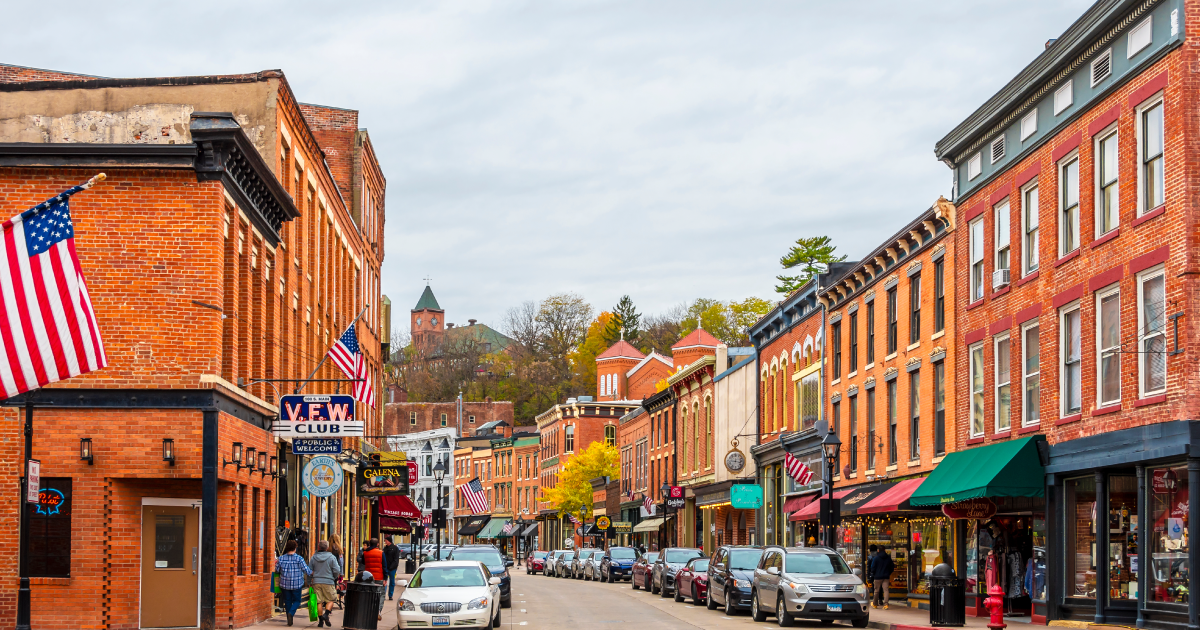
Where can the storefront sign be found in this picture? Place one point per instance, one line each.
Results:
(676, 503)
(384, 479)
(322, 476)
(1164, 481)
(623, 527)
(317, 416)
(316, 446)
(51, 501)
(981, 507)
(603, 522)
(412, 473)
(676, 492)
(33, 480)
(746, 496)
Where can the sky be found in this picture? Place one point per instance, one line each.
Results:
(667, 150)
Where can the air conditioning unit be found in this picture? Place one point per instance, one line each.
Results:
(1000, 278)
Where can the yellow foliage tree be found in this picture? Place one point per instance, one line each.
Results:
(574, 489)
(583, 359)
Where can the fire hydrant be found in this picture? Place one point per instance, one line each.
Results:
(995, 600)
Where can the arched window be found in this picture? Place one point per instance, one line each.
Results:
(683, 439)
(708, 429)
(774, 398)
(764, 412)
(610, 435)
(783, 380)
(696, 433)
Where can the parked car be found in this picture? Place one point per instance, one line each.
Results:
(552, 562)
(807, 582)
(692, 581)
(432, 553)
(449, 594)
(668, 564)
(617, 563)
(639, 575)
(535, 562)
(562, 564)
(496, 563)
(591, 566)
(579, 560)
(729, 577)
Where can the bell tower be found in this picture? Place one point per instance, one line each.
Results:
(427, 322)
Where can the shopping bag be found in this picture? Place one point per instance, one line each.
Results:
(275, 582)
(312, 604)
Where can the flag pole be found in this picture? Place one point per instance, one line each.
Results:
(314, 372)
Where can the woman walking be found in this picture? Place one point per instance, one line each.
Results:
(325, 574)
(292, 574)
(335, 548)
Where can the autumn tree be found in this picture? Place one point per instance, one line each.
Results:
(574, 489)
(584, 357)
(727, 321)
(812, 256)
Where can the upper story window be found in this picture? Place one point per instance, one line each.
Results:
(570, 436)
(1070, 351)
(1152, 326)
(914, 303)
(1003, 384)
(870, 332)
(810, 400)
(1150, 155)
(835, 338)
(1003, 244)
(892, 315)
(939, 295)
(976, 236)
(1108, 346)
(412, 418)
(854, 342)
(610, 435)
(976, 378)
(1068, 200)
(1064, 96)
(1030, 374)
(445, 419)
(1029, 228)
(974, 166)
(1107, 184)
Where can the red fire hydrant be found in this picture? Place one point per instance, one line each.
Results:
(995, 600)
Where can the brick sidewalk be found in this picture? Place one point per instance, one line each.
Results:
(301, 619)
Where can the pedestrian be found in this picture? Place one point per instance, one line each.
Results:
(882, 567)
(292, 576)
(366, 544)
(373, 564)
(325, 574)
(391, 559)
(335, 548)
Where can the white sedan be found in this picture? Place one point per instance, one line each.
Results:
(459, 594)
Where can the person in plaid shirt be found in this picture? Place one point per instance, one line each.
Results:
(293, 571)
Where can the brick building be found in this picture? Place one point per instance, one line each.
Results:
(414, 417)
(624, 373)
(633, 441)
(692, 391)
(221, 251)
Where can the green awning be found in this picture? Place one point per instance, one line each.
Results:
(493, 528)
(1007, 469)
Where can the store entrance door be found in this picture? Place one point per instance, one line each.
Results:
(170, 566)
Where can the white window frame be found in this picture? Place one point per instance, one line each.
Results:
(1147, 26)
(1098, 203)
(1002, 217)
(1006, 371)
(1114, 352)
(974, 166)
(1142, 277)
(1061, 167)
(1026, 268)
(976, 290)
(976, 419)
(1072, 308)
(1030, 120)
(1141, 109)
(1026, 375)
(1063, 103)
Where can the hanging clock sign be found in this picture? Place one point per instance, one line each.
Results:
(735, 460)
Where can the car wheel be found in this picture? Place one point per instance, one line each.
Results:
(653, 587)
(756, 613)
(633, 583)
(730, 609)
(604, 577)
(662, 589)
(709, 603)
(785, 619)
(496, 621)
(860, 623)
(678, 593)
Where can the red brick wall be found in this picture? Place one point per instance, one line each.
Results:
(628, 436)
(617, 366)
(21, 74)
(1097, 263)
(771, 356)
(397, 416)
(644, 382)
(694, 395)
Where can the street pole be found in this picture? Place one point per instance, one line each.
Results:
(23, 595)
(439, 527)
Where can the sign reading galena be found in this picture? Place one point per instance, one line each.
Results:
(317, 416)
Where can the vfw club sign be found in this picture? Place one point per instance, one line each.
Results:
(317, 416)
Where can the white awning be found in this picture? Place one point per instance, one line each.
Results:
(649, 525)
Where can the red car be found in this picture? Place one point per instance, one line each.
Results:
(640, 575)
(692, 581)
(536, 562)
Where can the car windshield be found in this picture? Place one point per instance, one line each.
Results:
(490, 558)
(440, 577)
(538, 555)
(651, 557)
(621, 553)
(745, 559)
(820, 563)
(682, 555)
(700, 565)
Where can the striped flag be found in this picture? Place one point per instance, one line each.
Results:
(349, 358)
(648, 504)
(574, 520)
(476, 497)
(797, 469)
(48, 330)
(508, 529)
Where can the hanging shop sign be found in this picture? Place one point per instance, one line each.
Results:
(623, 527)
(412, 473)
(317, 416)
(980, 507)
(746, 496)
(603, 522)
(383, 479)
(322, 476)
(316, 446)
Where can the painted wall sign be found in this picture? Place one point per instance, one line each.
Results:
(322, 476)
(981, 507)
(745, 496)
(316, 446)
(317, 416)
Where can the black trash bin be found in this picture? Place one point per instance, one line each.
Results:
(410, 565)
(362, 605)
(947, 601)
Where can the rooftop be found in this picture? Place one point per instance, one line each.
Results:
(427, 301)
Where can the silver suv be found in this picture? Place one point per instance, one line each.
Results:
(807, 582)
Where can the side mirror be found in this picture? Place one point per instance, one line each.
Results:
(493, 581)
(402, 583)
(773, 570)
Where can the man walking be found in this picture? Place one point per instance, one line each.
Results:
(882, 567)
(326, 572)
(391, 560)
(292, 572)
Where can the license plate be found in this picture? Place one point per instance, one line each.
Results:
(441, 621)
(828, 608)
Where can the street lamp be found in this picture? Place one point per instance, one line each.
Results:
(665, 490)
(831, 446)
(439, 516)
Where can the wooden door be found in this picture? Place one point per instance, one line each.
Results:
(170, 566)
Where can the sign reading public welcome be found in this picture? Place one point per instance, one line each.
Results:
(317, 416)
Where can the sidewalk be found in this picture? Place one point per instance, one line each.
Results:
(301, 619)
(905, 618)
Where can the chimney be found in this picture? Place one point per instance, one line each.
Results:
(449, 326)
(1050, 42)
(472, 321)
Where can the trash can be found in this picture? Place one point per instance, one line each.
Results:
(947, 602)
(410, 565)
(362, 605)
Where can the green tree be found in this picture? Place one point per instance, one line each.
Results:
(812, 255)
(626, 320)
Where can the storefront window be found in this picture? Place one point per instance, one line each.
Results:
(1122, 537)
(1037, 581)
(974, 567)
(893, 536)
(1081, 537)
(1169, 534)
(849, 545)
(932, 543)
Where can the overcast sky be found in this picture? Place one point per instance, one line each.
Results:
(665, 150)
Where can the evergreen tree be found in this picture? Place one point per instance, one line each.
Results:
(625, 316)
(812, 255)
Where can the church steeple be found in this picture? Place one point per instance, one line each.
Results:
(428, 322)
(427, 301)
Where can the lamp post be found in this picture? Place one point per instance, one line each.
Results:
(665, 490)
(439, 518)
(831, 446)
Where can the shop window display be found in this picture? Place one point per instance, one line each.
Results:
(932, 543)
(894, 536)
(1017, 547)
(1122, 537)
(849, 545)
(1081, 537)
(974, 566)
(1037, 564)
(1169, 534)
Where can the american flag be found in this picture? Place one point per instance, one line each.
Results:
(508, 529)
(48, 330)
(476, 497)
(347, 355)
(797, 469)
(648, 504)
(574, 520)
